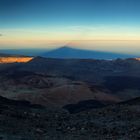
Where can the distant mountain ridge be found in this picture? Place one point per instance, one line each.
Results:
(69, 52)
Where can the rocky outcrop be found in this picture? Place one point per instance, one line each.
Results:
(14, 59)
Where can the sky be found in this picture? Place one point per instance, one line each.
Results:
(108, 25)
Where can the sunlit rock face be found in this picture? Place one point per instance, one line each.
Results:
(15, 59)
(137, 59)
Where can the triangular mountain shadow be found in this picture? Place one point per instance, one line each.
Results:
(69, 52)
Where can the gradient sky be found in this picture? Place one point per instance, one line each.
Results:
(110, 25)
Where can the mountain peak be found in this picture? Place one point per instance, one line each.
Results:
(65, 47)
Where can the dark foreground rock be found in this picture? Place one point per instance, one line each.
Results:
(116, 122)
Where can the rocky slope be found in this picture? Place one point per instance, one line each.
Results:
(21, 120)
